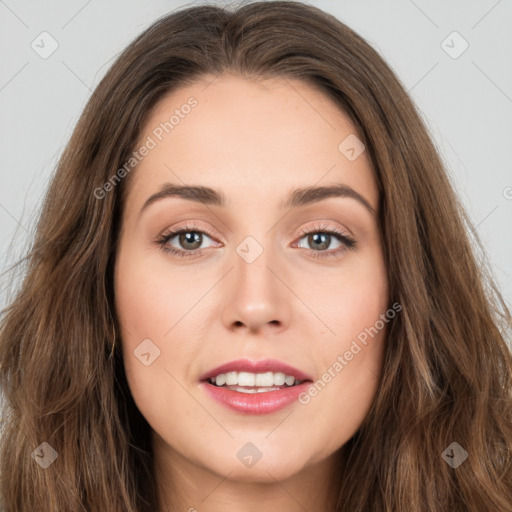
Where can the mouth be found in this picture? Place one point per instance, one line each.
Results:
(255, 387)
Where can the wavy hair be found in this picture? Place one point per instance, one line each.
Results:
(447, 374)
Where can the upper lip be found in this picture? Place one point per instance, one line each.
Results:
(265, 365)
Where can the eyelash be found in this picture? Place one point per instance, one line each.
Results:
(347, 241)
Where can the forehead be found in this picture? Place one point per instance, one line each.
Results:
(251, 138)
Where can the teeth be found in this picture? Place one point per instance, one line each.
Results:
(259, 380)
(289, 380)
(264, 379)
(245, 379)
(279, 378)
(231, 378)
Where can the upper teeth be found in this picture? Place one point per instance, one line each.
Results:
(266, 379)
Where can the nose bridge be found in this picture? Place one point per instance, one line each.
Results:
(252, 262)
(257, 297)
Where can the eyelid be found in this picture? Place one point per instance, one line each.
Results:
(187, 226)
(324, 226)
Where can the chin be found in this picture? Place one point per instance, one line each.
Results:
(277, 465)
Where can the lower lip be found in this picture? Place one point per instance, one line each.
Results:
(255, 403)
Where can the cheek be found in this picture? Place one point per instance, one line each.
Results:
(142, 308)
(362, 325)
(155, 313)
(339, 400)
(348, 300)
(355, 313)
(149, 301)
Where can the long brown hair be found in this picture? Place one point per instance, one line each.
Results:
(447, 369)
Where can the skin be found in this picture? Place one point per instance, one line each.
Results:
(255, 140)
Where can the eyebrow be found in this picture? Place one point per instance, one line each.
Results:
(298, 197)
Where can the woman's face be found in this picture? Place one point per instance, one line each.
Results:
(267, 275)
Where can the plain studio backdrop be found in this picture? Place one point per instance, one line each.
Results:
(454, 58)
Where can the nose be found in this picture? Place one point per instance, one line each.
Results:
(256, 298)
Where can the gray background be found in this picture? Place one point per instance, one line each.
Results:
(466, 101)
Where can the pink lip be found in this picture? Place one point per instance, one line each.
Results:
(265, 365)
(255, 403)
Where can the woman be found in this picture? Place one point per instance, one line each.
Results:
(252, 285)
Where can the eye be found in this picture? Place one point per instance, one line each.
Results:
(189, 240)
(320, 238)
